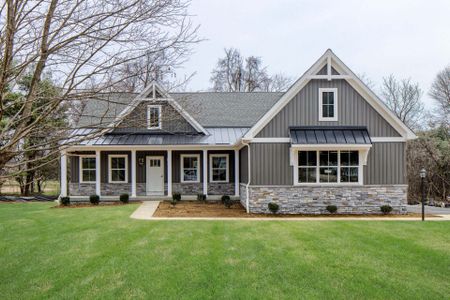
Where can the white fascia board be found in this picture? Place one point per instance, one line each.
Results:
(270, 140)
(149, 147)
(388, 139)
(351, 78)
(331, 146)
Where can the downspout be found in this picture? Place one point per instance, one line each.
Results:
(247, 192)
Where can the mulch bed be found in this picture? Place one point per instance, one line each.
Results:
(211, 209)
(84, 204)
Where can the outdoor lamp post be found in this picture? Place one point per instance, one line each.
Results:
(423, 173)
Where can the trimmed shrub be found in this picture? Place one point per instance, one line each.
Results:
(226, 200)
(175, 198)
(64, 201)
(94, 199)
(124, 198)
(386, 209)
(273, 207)
(332, 209)
(201, 197)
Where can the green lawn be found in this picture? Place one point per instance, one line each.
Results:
(102, 253)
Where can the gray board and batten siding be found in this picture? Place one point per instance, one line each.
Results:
(303, 110)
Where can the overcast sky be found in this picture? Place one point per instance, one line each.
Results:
(377, 37)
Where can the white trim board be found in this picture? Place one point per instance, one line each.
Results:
(110, 156)
(335, 104)
(227, 168)
(182, 156)
(353, 80)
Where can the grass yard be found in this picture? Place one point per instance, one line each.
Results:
(102, 253)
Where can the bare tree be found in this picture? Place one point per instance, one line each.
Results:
(232, 75)
(403, 98)
(83, 43)
(440, 92)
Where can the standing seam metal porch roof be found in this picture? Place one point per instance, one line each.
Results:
(329, 135)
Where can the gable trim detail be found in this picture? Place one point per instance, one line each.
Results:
(330, 59)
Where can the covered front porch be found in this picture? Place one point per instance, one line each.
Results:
(149, 172)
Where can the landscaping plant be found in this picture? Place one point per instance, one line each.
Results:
(94, 199)
(273, 207)
(332, 209)
(386, 209)
(175, 198)
(226, 200)
(201, 197)
(124, 198)
(65, 201)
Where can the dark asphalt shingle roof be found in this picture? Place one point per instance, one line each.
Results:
(210, 109)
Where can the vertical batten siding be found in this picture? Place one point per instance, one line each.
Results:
(303, 110)
(243, 165)
(74, 169)
(104, 159)
(386, 164)
(270, 164)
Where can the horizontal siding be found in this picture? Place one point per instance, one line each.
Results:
(386, 164)
(303, 110)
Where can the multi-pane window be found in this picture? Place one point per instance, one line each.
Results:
(190, 168)
(118, 168)
(328, 167)
(328, 104)
(154, 117)
(349, 166)
(219, 168)
(307, 166)
(87, 170)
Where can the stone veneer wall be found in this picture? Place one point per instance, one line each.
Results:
(186, 188)
(242, 194)
(81, 189)
(115, 189)
(216, 188)
(313, 200)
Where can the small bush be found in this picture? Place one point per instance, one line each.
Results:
(273, 207)
(226, 200)
(65, 201)
(94, 199)
(386, 209)
(201, 197)
(175, 198)
(332, 209)
(124, 198)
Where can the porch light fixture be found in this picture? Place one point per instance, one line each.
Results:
(423, 174)
(141, 161)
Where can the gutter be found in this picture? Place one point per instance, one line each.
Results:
(245, 142)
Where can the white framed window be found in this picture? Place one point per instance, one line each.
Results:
(190, 167)
(118, 168)
(328, 104)
(328, 167)
(87, 169)
(218, 168)
(154, 116)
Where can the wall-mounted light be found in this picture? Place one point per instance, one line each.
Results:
(141, 161)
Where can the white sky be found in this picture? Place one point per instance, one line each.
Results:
(408, 38)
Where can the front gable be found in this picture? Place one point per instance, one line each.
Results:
(356, 104)
(171, 117)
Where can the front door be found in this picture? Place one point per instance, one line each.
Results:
(155, 175)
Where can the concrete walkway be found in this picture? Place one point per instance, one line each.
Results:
(145, 211)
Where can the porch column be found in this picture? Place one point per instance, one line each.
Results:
(236, 172)
(133, 173)
(97, 172)
(205, 172)
(63, 174)
(169, 173)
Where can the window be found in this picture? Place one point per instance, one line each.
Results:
(349, 166)
(118, 168)
(154, 117)
(87, 169)
(328, 104)
(328, 167)
(218, 168)
(307, 166)
(190, 168)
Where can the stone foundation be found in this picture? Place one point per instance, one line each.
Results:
(192, 188)
(314, 200)
(216, 188)
(115, 189)
(81, 189)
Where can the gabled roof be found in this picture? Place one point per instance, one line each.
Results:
(331, 61)
(155, 89)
